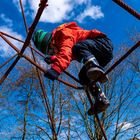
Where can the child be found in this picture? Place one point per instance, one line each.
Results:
(70, 42)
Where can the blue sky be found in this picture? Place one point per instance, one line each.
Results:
(105, 16)
(89, 14)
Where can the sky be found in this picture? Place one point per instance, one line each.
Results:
(89, 14)
(105, 16)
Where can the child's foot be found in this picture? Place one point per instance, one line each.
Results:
(101, 101)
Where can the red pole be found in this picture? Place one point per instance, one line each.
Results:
(41, 54)
(127, 8)
(47, 107)
(11, 37)
(123, 57)
(95, 114)
(119, 60)
(100, 125)
(27, 41)
(8, 61)
(35, 64)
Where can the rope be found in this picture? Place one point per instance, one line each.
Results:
(96, 115)
(44, 97)
(123, 57)
(127, 8)
(8, 61)
(118, 61)
(42, 55)
(35, 64)
(11, 37)
(27, 41)
(68, 84)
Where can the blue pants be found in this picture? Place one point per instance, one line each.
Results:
(100, 48)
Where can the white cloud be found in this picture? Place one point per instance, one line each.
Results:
(11, 132)
(59, 10)
(81, 1)
(7, 20)
(125, 125)
(94, 12)
(55, 12)
(5, 49)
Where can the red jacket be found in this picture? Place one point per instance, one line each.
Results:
(63, 39)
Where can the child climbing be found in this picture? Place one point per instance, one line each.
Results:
(70, 42)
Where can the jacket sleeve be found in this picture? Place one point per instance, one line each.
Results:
(64, 55)
(95, 33)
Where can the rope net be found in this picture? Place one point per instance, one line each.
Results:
(39, 69)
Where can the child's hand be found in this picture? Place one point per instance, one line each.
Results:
(48, 59)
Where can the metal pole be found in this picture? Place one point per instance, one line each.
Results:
(123, 57)
(27, 41)
(35, 64)
(41, 54)
(118, 61)
(100, 125)
(11, 37)
(40, 80)
(8, 61)
(127, 8)
(95, 114)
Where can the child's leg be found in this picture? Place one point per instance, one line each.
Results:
(100, 48)
(84, 51)
(101, 101)
(87, 52)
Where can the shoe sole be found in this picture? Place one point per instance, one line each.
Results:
(97, 74)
